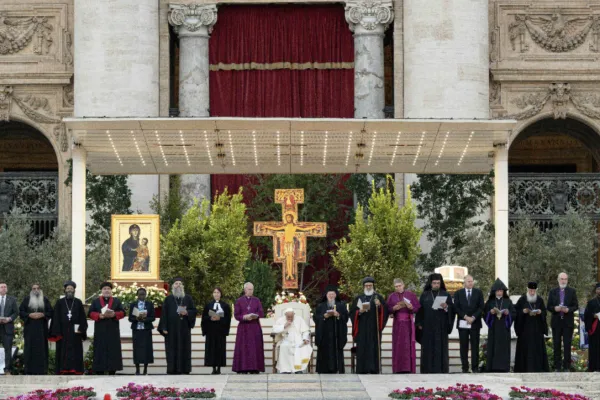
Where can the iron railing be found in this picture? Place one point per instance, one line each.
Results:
(33, 195)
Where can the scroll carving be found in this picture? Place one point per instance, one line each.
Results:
(193, 17)
(36, 108)
(17, 33)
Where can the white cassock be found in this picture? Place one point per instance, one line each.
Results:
(294, 355)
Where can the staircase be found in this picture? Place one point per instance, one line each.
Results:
(160, 363)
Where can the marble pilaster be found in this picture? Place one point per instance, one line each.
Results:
(193, 23)
(369, 19)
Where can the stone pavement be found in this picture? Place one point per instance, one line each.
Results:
(309, 386)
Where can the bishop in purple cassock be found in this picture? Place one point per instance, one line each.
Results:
(248, 356)
(403, 306)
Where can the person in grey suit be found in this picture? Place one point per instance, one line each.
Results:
(8, 313)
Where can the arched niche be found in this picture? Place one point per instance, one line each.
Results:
(555, 146)
(30, 175)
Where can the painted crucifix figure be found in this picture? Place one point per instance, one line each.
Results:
(289, 236)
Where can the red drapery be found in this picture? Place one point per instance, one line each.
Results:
(280, 61)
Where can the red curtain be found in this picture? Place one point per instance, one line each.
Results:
(280, 61)
(280, 39)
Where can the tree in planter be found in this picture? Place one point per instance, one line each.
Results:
(24, 258)
(449, 205)
(208, 249)
(537, 255)
(264, 279)
(173, 207)
(384, 245)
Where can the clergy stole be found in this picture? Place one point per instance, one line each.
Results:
(107, 335)
(366, 331)
(592, 325)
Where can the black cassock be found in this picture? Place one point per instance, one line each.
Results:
(531, 353)
(178, 340)
(143, 352)
(69, 345)
(366, 331)
(216, 333)
(107, 335)
(592, 325)
(434, 326)
(498, 343)
(330, 337)
(36, 337)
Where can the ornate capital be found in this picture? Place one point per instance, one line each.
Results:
(369, 16)
(194, 19)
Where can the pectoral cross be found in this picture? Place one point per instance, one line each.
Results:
(289, 236)
(69, 315)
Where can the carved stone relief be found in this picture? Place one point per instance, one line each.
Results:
(370, 14)
(68, 47)
(16, 34)
(554, 32)
(60, 136)
(37, 108)
(560, 96)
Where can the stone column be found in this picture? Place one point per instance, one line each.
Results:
(78, 219)
(368, 20)
(116, 64)
(446, 59)
(193, 24)
(501, 211)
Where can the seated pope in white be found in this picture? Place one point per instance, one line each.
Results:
(293, 340)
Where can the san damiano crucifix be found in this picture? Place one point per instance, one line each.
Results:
(289, 236)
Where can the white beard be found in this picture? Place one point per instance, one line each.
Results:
(330, 304)
(369, 292)
(179, 293)
(36, 302)
(532, 299)
(562, 286)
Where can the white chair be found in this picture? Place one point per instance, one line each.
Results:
(300, 309)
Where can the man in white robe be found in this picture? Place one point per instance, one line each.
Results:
(293, 342)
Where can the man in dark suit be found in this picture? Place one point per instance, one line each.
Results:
(562, 303)
(468, 304)
(8, 313)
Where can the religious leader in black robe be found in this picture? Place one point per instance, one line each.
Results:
(367, 326)
(499, 313)
(107, 335)
(141, 331)
(68, 329)
(176, 323)
(36, 311)
(592, 325)
(331, 326)
(216, 329)
(531, 327)
(434, 326)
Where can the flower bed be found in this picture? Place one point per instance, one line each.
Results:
(460, 391)
(524, 392)
(74, 393)
(149, 392)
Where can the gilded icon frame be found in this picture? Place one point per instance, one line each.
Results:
(122, 231)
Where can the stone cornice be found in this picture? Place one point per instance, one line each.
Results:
(369, 16)
(544, 75)
(193, 19)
